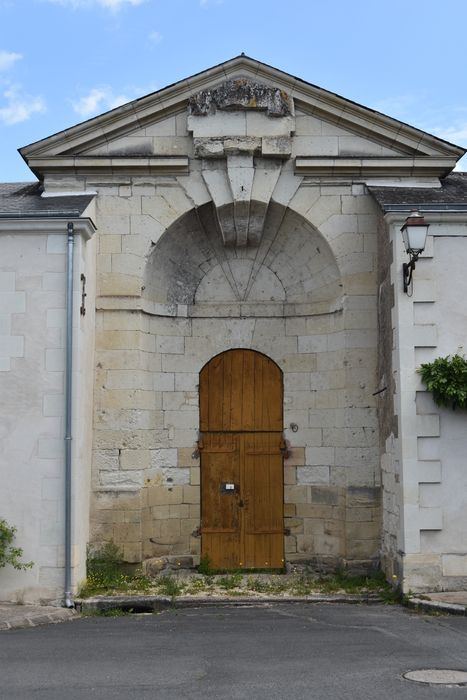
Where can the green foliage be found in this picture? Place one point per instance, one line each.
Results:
(107, 612)
(200, 585)
(446, 378)
(204, 566)
(168, 585)
(230, 582)
(272, 586)
(9, 554)
(342, 581)
(107, 573)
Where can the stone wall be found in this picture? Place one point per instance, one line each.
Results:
(170, 302)
(388, 424)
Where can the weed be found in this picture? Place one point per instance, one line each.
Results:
(168, 585)
(197, 586)
(109, 612)
(255, 584)
(204, 566)
(140, 582)
(303, 584)
(106, 572)
(342, 581)
(228, 583)
(278, 586)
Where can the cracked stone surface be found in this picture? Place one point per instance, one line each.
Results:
(241, 94)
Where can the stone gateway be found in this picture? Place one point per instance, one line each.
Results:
(243, 381)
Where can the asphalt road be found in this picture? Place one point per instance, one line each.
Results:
(280, 651)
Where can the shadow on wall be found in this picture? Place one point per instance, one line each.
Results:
(291, 264)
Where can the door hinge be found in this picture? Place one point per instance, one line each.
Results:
(285, 448)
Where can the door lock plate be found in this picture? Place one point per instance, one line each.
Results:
(228, 487)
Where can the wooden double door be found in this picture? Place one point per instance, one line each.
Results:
(241, 447)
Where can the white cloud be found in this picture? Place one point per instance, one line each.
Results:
(99, 99)
(8, 59)
(109, 4)
(19, 106)
(155, 37)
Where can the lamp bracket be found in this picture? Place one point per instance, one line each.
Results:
(407, 271)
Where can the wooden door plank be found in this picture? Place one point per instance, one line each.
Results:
(272, 392)
(236, 399)
(204, 399)
(248, 391)
(258, 395)
(216, 392)
(227, 389)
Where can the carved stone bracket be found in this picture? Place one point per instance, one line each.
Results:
(240, 191)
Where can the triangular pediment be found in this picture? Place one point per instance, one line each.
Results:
(153, 127)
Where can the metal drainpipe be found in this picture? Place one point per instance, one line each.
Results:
(69, 603)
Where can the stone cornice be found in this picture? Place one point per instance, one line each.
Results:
(220, 310)
(151, 164)
(46, 224)
(387, 166)
(435, 217)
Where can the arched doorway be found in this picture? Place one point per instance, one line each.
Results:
(241, 444)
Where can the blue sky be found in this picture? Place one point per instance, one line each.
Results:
(63, 61)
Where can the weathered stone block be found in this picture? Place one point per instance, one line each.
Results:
(160, 495)
(132, 552)
(153, 567)
(191, 494)
(180, 510)
(295, 494)
(362, 531)
(314, 515)
(135, 459)
(313, 475)
(170, 531)
(319, 456)
(124, 479)
(117, 284)
(126, 532)
(161, 512)
(325, 495)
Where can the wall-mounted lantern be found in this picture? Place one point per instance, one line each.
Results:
(414, 233)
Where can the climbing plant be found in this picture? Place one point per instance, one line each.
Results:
(446, 379)
(8, 553)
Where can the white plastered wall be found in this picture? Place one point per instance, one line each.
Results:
(32, 359)
(428, 457)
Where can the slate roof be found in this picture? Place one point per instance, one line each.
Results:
(451, 196)
(23, 200)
